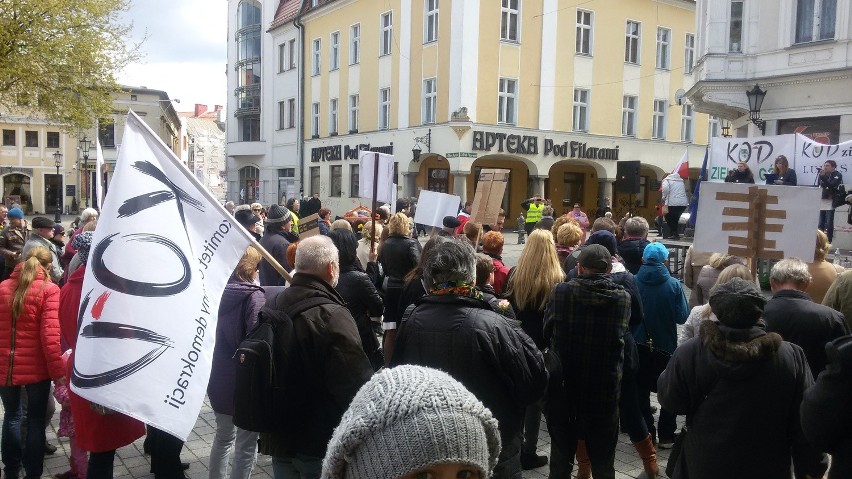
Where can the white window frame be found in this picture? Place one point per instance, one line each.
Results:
(628, 115)
(584, 32)
(291, 53)
(282, 57)
(689, 53)
(507, 101)
(633, 43)
(333, 105)
(714, 128)
(509, 14)
(355, 44)
(291, 113)
(735, 40)
(334, 51)
(816, 21)
(384, 108)
(430, 100)
(663, 59)
(687, 123)
(581, 109)
(386, 36)
(659, 126)
(354, 105)
(430, 21)
(315, 118)
(316, 57)
(282, 114)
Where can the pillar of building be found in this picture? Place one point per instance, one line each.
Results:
(460, 184)
(409, 185)
(538, 185)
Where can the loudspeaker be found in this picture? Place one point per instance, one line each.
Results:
(627, 177)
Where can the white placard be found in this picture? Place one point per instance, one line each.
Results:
(432, 207)
(798, 206)
(811, 155)
(759, 153)
(386, 191)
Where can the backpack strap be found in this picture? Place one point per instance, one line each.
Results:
(307, 304)
(409, 310)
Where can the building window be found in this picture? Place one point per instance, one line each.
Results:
(384, 108)
(430, 100)
(387, 34)
(689, 53)
(282, 57)
(249, 129)
(631, 48)
(354, 102)
(315, 180)
(335, 51)
(291, 113)
(31, 139)
(248, 68)
(713, 128)
(282, 115)
(581, 109)
(8, 137)
(430, 21)
(355, 44)
(507, 98)
(132, 97)
(315, 119)
(659, 126)
(735, 34)
(584, 33)
(332, 116)
(686, 124)
(664, 36)
(509, 10)
(291, 50)
(354, 176)
(106, 133)
(815, 20)
(336, 181)
(628, 115)
(53, 139)
(317, 57)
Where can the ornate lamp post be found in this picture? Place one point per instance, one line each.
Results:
(85, 143)
(57, 160)
(755, 101)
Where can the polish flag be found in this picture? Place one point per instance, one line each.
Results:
(682, 167)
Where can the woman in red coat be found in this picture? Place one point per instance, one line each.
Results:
(99, 431)
(30, 356)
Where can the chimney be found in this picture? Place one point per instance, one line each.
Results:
(217, 108)
(199, 109)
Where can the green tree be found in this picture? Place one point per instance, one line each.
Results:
(60, 58)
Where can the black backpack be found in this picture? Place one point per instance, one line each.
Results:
(269, 359)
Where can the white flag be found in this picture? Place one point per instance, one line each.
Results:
(386, 191)
(160, 258)
(99, 163)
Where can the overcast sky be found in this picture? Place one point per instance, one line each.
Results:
(185, 52)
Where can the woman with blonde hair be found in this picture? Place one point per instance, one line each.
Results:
(822, 272)
(529, 286)
(363, 251)
(30, 356)
(783, 174)
(709, 274)
(702, 312)
(567, 239)
(398, 255)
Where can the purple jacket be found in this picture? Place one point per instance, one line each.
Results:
(241, 302)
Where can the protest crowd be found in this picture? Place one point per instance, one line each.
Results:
(439, 360)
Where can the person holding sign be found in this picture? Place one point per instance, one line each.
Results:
(781, 173)
(534, 208)
(742, 174)
(830, 181)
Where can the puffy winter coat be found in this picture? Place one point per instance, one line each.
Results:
(674, 192)
(29, 345)
(663, 304)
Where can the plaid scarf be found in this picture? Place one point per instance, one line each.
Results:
(457, 288)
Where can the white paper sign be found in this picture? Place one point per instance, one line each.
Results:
(386, 191)
(811, 155)
(432, 207)
(160, 258)
(759, 153)
(790, 223)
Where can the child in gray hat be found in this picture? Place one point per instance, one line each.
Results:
(411, 420)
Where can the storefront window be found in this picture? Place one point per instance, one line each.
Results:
(439, 180)
(573, 188)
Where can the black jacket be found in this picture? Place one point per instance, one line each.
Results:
(829, 183)
(809, 325)
(335, 368)
(740, 390)
(483, 350)
(276, 243)
(363, 301)
(631, 251)
(737, 176)
(399, 255)
(827, 409)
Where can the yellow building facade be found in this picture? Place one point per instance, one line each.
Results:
(556, 94)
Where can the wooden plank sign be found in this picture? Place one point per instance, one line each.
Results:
(309, 226)
(489, 196)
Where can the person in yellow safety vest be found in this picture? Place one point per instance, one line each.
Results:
(534, 208)
(293, 206)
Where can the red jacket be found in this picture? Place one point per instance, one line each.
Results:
(501, 275)
(29, 345)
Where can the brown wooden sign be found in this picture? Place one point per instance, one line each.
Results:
(309, 226)
(489, 195)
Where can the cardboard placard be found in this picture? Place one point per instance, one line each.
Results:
(309, 226)
(489, 195)
(757, 221)
(432, 207)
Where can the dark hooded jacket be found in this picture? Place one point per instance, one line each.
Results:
(276, 242)
(740, 390)
(663, 304)
(630, 250)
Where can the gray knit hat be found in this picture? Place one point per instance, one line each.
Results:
(737, 303)
(407, 418)
(278, 214)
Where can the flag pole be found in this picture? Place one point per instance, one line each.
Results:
(375, 195)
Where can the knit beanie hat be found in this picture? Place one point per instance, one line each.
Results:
(737, 303)
(655, 253)
(605, 239)
(82, 242)
(407, 418)
(16, 213)
(278, 214)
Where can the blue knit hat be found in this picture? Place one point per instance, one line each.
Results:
(16, 213)
(655, 253)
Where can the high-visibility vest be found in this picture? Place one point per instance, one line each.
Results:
(295, 223)
(534, 213)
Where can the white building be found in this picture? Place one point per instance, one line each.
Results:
(205, 147)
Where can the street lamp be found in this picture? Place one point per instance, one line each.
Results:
(57, 160)
(85, 143)
(755, 101)
(726, 128)
(426, 140)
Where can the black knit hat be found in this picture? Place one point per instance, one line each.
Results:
(278, 214)
(737, 303)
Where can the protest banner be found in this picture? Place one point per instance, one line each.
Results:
(757, 221)
(432, 207)
(309, 226)
(489, 196)
(811, 155)
(160, 258)
(758, 153)
(385, 187)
